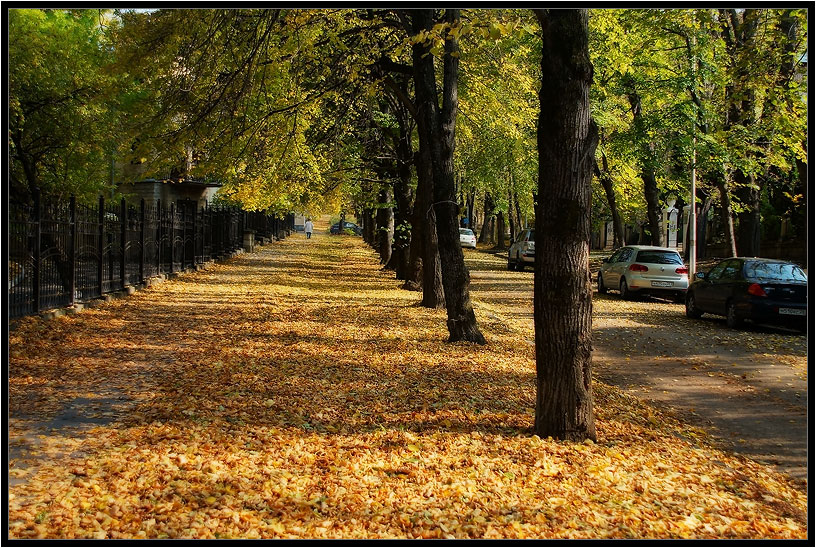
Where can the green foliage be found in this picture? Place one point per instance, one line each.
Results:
(66, 106)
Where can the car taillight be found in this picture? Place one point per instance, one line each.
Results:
(681, 270)
(756, 290)
(638, 268)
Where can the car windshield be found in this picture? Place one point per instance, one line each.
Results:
(465, 232)
(777, 272)
(531, 236)
(656, 256)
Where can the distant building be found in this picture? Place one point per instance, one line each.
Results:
(170, 190)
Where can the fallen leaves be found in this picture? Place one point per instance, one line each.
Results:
(297, 393)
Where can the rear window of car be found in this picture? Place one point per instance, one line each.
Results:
(466, 231)
(531, 236)
(777, 272)
(658, 257)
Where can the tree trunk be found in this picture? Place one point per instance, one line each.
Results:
(566, 137)
(471, 199)
(606, 182)
(702, 227)
(433, 295)
(385, 225)
(750, 223)
(727, 215)
(486, 234)
(500, 243)
(438, 128)
(511, 217)
(647, 171)
(518, 212)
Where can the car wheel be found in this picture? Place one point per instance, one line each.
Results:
(731, 318)
(624, 290)
(510, 265)
(601, 287)
(691, 307)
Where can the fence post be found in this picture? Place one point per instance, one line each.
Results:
(123, 215)
(101, 268)
(141, 241)
(195, 233)
(37, 258)
(158, 217)
(72, 248)
(172, 235)
(183, 234)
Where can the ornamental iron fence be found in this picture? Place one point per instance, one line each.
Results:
(61, 253)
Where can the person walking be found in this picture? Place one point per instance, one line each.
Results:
(309, 228)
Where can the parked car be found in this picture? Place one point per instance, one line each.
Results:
(335, 228)
(522, 251)
(644, 270)
(761, 290)
(467, 238)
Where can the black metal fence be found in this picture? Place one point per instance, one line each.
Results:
(63, 253)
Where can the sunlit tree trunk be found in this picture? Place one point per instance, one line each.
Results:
(438, 127)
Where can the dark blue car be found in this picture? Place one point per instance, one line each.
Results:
(746, 288)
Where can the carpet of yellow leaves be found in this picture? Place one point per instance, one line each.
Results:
(298, 393)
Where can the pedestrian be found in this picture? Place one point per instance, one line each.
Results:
(309, 228)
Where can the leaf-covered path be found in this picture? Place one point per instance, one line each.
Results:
(297, 392)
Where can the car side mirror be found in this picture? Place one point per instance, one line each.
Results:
(701, 275)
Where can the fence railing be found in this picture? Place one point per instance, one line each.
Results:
(64, 252)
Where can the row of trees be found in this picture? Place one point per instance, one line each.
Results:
(415, 119)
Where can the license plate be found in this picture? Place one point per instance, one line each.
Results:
(793, 311)
(662, 284)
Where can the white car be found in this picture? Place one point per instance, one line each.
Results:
(645, 270)
(467, 238)
(522, 251)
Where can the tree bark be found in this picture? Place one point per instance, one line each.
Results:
(566, 137)
(726, 214)
(486, 235)
(510, 217)
(606, 182)
(385, 225)
(438, 127)
(500, 243)
(433, 294)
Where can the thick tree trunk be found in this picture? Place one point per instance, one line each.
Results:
(500, 243)
(433, 294)
(562, 287)
(438, 127)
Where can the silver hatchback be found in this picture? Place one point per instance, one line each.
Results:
(645, 270)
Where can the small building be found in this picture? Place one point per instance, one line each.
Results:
(170, 190)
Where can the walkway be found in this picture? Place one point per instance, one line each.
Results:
(298, 393)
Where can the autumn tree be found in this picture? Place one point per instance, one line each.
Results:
(67, 107)
(567, 138)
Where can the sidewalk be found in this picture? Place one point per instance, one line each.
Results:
(297, 392)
